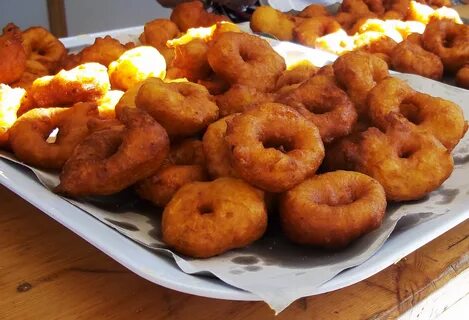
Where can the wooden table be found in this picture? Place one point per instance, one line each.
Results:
(47, 272)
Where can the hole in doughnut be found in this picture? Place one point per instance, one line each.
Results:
(41, 52)
(320, 108)
(205, 209)
(448, 41)
(345, 197)
(281, 144)
(406, 152)
(411, 112)
(245, 56)
(52, 136)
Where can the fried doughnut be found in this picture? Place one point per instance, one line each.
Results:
(214, 84)
(441, 118)
(346, 20)
(217, 152)
(87, 82)
(462, 77)
(42, 46)
(110, 160)
(244, 59)
(359, 72)
(273, 147)
(410, 57)
(332, 209)
(29, 134)
(192, 14)
(13, 56)
(375, 43)
(157, 32)
(10, 102)
(136, 65)
(183, 108)
(161, 187)
(268, 20)
(408, 163)
(449, 41)
(187, 152)
(307, 31)
(312, 11)
(205, 219)
(362, 7)
(296, 74)
(241, 98)
(191, 60)
(103, 50)
(396, 8)
(128, 98)
(185, 164)
(320, 100)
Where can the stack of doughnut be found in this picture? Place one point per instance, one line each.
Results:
(425, 38)
(215, 129)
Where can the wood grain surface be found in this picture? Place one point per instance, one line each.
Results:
(47, 272)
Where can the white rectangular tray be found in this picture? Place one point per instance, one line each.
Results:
(162, 270)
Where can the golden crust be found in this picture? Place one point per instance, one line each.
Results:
(273, 147)
(332, 209)
(205, 219)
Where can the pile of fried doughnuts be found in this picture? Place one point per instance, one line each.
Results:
(424, 38)
(211, 126)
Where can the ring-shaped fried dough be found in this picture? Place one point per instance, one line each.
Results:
(375, 43)
(358, 73)
(157, 32)
(204, 219)
(462, 77)
(192, 14)
(268, 20)
(183, 108)
(273, 147)
(240, 98)
(214, 84)
(409, 57)
(13, 56)
(185, 163)
(191, 60)
(296, 74)
(110, 160)
(449, 41)
(362, 7)
(332, 209)
(320, 100)
(245, 59)
(103, 51)
(128, 98)
(29, 134)
(408, 163)
(86, 83)
(161, 187)
(216, 149)
(136, 65)
(307, 31)
(441, 118)
(42, 46)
